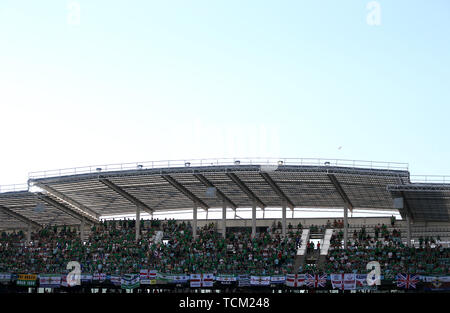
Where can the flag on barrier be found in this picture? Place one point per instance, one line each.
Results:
(226, 279)
(86, 278)
(259, 280)
(343, 281)
(148, 277)
(49, 280)
(5, 277)
(244, 280)
(130, 281)
(407, 281)
(26, 280)
(316, 280)
(295, 280)
(277, 279)
(99, 277)
(115, 280)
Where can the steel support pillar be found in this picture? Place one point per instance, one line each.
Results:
(254, 220)
(283, 219)
(194, 221)
(224, 219)
(29, 234)
(345, 227)
(138, 222)
(408, 230)
(82, 230)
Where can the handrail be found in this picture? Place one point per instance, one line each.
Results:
(219, 162)
(431, 179)
(13, 188)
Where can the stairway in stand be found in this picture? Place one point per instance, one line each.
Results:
(324, 248)
(300, 257)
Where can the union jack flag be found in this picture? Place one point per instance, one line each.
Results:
(315, 281)
(407, 281)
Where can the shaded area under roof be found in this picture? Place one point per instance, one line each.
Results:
(173, 188)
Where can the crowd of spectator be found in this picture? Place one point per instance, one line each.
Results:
(387, 248)
(112, 249)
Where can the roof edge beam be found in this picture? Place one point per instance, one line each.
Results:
(278, 190)
(245, 189)
(66, 210)
(207, 183)
(185, 191)
(20, 217)
(67, 199)
(126, 195)
(341, 191)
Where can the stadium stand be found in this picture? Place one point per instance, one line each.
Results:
(64, 220)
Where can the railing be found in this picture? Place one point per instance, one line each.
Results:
(431, 179)
(13, 187)
(219, 162)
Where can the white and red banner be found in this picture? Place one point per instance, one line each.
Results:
(201, 280)
(295, 280)
(207, 280)
(147, 277)
(343, 281)
(361, 282)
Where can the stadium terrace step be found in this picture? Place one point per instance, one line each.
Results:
(301, 252)
(305, 240)
(326, 242)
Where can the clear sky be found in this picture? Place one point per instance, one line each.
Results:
(92, 82)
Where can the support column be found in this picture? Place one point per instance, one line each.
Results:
(82, 230)
(28, 234)
(283, 219)
(345, 227)
(408, 230)
(138, 222)
(224, 219)
(254, 220)
(194, 222)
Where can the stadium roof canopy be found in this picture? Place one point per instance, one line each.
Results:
(68, 196)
